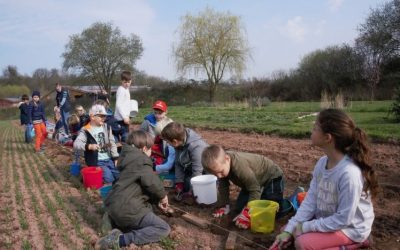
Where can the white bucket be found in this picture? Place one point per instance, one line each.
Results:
(133, 108)
(205, 188)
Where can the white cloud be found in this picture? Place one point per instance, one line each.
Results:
(335, 4)
(295, 29)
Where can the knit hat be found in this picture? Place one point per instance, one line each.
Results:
(35, 93)
(160, 105)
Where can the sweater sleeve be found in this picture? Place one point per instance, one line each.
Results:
(30, 110)
(195, 155)
(349, 195)
(223, 192)
(166, 166)
(80, 141)
(307, 209)
(152, 183)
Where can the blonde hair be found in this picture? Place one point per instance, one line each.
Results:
(79, 107)
(161, 125)
(210, 156)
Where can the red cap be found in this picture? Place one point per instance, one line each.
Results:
(160, 105)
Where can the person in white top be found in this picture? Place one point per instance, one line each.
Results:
(337, 212)
(122, 106)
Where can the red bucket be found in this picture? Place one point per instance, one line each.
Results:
(92, 177)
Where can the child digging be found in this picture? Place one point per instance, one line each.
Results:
(97, 142)
(258, 177)
(128, 203)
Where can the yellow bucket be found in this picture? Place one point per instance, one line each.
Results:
(262, 215)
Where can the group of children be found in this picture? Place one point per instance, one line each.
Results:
(337, 212)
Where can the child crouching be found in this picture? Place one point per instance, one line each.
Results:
(97, 142)
(258, 177)
(128, 203)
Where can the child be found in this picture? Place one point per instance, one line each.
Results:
(37, 117)
(163, 155)
(128, 203)
(83, 117)
(337, 211)
(258, 177)
(122, 105)
(74, 126)
(97, 142)
(63, 105)
(24, 118)
(188, 149)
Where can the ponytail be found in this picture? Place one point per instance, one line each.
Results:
(359, 152)
(352, 141)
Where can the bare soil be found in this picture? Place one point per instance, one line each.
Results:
(60, 214)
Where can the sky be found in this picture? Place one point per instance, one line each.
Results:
(33, 33)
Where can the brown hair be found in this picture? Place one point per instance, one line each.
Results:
(73, 119)
(140, 139)
(126, 76)
(174, 130)
(102, 103)
(352, 141)
(24, 97)
(210, 155)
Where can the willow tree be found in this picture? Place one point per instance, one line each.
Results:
(101, 51)
(211, 43)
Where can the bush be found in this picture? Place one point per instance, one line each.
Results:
(395, 108)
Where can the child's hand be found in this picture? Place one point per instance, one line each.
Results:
(221, 211)
(282, 241)
(163, 204)
(127, 121)
(243, 219)
(93, 147)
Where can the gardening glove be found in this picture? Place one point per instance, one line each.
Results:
(243, 219)
(221, 211)
(282, 241)
(179, 191)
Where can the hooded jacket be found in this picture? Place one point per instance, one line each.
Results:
(129, 198)
(85, 137)
(189, 155)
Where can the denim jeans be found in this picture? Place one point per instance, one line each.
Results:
(28, 137)
(272, 190)
(150, 229)
(110, 172)
(64, 119)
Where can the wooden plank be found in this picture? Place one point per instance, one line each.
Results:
(230, 241)
(196, 220)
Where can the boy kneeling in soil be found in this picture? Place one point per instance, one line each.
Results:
(188, 148)
(98, 144)
(128, 203)
(257, 176)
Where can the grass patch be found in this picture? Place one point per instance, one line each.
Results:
(282, 118)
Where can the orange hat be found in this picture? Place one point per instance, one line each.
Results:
(160, 105)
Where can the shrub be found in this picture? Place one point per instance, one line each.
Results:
(395, 108)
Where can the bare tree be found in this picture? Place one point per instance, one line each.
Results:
(100, 51)
(211, 42)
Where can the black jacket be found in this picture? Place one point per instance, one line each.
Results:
(129, 198)
(24, 117)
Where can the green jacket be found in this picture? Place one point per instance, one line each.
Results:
(250, 172)
(129, 198)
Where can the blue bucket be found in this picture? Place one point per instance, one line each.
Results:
(104, 190)
(75, 169)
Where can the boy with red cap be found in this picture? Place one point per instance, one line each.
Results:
(162, 154)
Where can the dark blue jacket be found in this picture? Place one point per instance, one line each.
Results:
(24, 117)
(63, 101)
(36, 112)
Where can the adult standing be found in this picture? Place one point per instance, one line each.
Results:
(122, 106)
(63, 104)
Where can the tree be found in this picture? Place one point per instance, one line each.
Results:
(100, 51)
(211, 42)
(11, 76)
(379, 41)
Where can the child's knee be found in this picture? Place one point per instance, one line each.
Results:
(302, 243)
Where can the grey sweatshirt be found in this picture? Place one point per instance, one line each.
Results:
(336, 201)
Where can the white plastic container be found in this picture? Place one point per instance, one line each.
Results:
(205, 188)
(133, 111)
